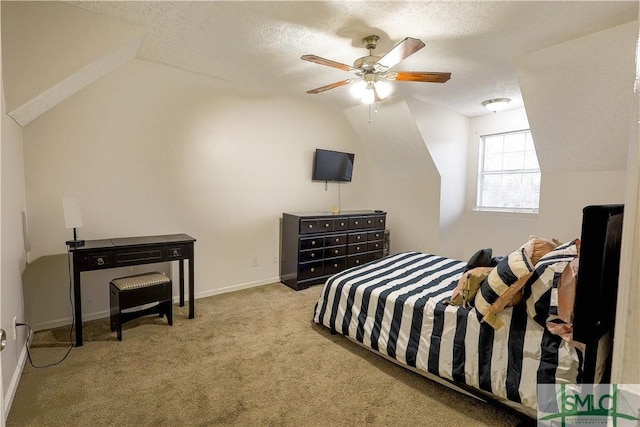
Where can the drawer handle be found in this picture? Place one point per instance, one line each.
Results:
(337, 240)
(175, 252)
(313, 243)
(336, 251)
(100, 261)
(335, 265)
(369, 222)
(310, 225)
(356, 222)
(358, 237)
(357, 261)
(326, 225)
(342, 224)
(357, 248)
(313, 255)
(312, 269)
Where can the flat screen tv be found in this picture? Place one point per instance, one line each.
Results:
(332, 166)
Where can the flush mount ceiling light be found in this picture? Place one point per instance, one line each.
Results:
(496, 104)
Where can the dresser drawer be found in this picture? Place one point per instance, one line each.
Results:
(309, 270)
(308, 226)
(341, 224)
(356, 260)
(357, 237)
(335, 251)
(335, 240)
(375, 235)
(374, 255)
(334, 265)
(375, 245)
(356, 248)
(311, 242)
(369, 222)
(355, 222)
(311, 255)
(103, 260)
(325, 225)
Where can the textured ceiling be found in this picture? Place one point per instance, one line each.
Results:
(259, 44)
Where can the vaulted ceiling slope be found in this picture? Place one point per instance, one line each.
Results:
(51, 50)
(258, 44)
(579, 98)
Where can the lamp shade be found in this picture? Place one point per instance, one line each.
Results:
(72, 212)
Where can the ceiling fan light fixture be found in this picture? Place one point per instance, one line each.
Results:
(358, 88)
(368, 96)
(383, 88)
(496, 104)
(364, 90)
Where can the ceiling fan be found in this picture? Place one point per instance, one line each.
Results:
(371, 71)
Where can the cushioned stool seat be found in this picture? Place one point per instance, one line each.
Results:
(133, 291)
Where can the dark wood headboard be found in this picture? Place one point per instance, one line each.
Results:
(597, 287)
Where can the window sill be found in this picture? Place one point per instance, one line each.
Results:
(507, 211)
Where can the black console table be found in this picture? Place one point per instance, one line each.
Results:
(127, 251)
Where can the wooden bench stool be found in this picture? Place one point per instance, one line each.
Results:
(133, 291)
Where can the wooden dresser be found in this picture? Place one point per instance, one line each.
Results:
(317, 245)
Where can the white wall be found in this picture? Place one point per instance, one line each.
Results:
(150, 149)
(446, 136)
(12, 248)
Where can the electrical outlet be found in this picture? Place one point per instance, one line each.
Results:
(255, 261)
(15, 328)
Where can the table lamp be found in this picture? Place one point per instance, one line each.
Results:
(72, 219)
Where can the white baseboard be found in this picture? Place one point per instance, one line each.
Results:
(105, 313)
(233, 288)
(15, 380)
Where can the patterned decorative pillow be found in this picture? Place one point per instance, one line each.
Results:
(504, 288)
(508, 271)
(545, 278)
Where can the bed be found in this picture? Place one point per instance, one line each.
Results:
(401, 307)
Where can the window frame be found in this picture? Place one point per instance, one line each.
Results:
(481, 173)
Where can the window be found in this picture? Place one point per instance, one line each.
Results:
(508, 173)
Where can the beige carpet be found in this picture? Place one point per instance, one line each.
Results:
(249, 358)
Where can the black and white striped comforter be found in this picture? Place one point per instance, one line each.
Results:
(395, 306)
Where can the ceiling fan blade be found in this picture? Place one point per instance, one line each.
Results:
(327, 62)
(329, 86)
(402, 50)
(418, 76)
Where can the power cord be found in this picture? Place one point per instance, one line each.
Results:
(30, 334)
(28, 343)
